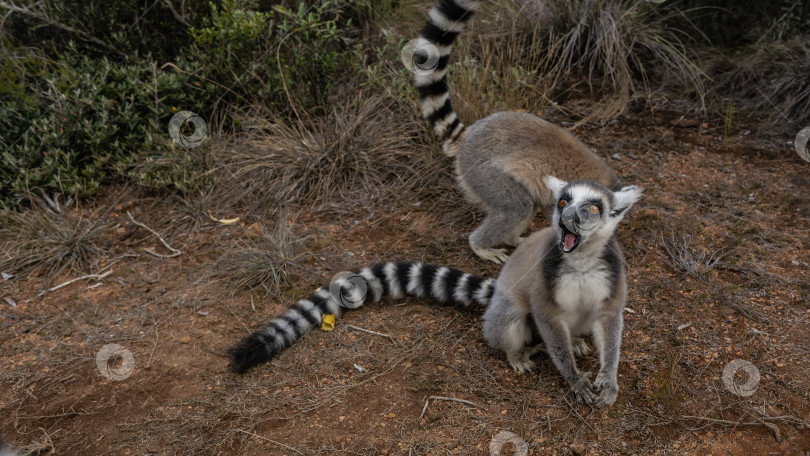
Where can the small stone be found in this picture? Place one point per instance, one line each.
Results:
(204, 313)
(578, 449)
(10, 302)
(254, 231)
(185, 339)
(7, 276)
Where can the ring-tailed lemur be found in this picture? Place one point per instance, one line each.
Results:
(564, 282)
(501, 159)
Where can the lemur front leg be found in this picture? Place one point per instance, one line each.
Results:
(607, 335)
(557, 337)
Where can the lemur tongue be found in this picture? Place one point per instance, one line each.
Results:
(569, 240)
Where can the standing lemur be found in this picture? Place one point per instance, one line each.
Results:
(563, 282)
(502, 158)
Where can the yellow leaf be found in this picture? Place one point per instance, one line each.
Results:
(224, 221)
(328, 322)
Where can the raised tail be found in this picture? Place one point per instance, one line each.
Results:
(445, 21)
(353, 290)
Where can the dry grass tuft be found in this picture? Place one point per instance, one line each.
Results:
(683, 257)
(624, 47)
(772, 76)
(350, 155)
(267, 262)
(53, 241)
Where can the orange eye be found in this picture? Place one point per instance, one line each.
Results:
(563, 202)
(594, 209)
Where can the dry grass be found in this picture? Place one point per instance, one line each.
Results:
(683, 257)
(498, 64)
(351, 154)
(526, 54)
(623, 46)
(770, 77)
(267, 260)
(53, 241)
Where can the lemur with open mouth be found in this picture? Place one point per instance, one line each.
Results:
(565, 281)
(501, 159)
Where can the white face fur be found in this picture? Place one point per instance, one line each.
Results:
(586, 211)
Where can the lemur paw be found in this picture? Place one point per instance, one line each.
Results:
(583, 390)
(579, 346)
(497, 256)
(520, 361)
(609, 388)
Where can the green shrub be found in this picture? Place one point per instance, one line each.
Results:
(72, 121)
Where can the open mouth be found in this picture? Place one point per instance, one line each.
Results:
(569, 240)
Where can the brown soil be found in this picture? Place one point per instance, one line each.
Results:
(743, 198)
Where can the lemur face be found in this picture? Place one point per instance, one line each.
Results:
(587, 210)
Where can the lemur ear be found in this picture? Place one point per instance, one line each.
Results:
(624, 199)
(555, 185)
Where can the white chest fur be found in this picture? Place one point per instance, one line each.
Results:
(582, 285)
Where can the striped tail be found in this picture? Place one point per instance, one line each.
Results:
(445, 21)
(353, 290)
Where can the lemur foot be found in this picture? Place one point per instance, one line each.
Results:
(579, 346)
(497, 256)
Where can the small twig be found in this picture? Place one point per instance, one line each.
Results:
(442, 398)
(271, 441)
(176, 15)
(175, 252)
(126, 255)
(77, 279)
(372, 332)
(757, 422)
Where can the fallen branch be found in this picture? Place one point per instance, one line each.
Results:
(372, 332)
(442, 398)
(77, 279)
(174, 251)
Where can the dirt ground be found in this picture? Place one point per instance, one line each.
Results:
(718, 251)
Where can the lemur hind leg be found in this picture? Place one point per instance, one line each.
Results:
(509, 209)
(506, 328)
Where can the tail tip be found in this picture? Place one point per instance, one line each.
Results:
(249, 352)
